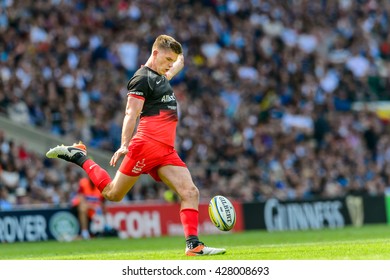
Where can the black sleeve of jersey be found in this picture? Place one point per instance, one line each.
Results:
(138, 85)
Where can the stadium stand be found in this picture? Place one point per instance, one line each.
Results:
(267, 97)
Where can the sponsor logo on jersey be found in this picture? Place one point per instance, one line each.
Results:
(167, 98)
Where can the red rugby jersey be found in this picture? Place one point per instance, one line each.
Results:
(158, 118)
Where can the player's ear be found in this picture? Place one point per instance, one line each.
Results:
(155, 52)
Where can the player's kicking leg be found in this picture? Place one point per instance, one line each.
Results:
(113, 190)
(75, 153)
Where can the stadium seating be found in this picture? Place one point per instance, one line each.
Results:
(267, 95)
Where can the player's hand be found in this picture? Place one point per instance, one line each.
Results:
(117, 155)
(176, 68)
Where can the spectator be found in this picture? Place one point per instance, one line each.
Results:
(5, 204)
(87, 203)
(254, 68)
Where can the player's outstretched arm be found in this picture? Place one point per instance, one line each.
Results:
(176, 68)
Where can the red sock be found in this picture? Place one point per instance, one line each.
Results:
(189, 220)
(98, 175)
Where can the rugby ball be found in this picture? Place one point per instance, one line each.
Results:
(222, 213)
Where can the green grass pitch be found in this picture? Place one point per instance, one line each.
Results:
(365, 243)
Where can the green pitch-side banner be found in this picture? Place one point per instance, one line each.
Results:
(37, 225)
(387, 203)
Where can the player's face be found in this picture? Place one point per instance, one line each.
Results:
(165, 60)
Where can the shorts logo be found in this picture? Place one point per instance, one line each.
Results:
(139, 165)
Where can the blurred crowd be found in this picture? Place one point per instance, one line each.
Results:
(266, 96)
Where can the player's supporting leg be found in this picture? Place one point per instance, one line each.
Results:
(179, 179)
(113, 190)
